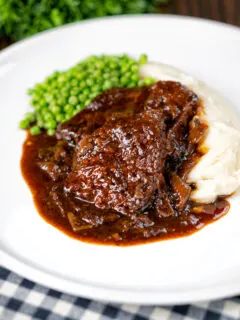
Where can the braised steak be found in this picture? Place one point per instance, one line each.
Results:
(116, 172)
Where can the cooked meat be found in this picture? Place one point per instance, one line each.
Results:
(123, 144)
(181, 189)
(56, 161)
(117, 170)
(117, 167)
(121, 150)
(114, 101)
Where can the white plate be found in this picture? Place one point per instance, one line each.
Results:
(204, 265)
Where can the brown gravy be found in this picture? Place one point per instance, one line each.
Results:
(150, 224)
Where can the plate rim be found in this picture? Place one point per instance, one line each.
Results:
(21, 43)
(60, 283)
(96, 292)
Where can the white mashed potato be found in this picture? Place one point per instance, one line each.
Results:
(218, 171)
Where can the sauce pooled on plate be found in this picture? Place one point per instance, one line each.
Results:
(116, 173)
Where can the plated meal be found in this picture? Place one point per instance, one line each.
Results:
(122, 152)
(126, 152)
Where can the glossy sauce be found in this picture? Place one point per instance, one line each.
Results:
(186, 221)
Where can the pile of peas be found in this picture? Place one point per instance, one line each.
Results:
(63, 94)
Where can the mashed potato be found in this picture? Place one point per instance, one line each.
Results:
(218, 171)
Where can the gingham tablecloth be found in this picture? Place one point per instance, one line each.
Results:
(22, 299)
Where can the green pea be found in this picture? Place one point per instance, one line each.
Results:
(82, 85)
(61, 101)
(131, 84)
(42, 103)
(141, 83)
(55, 74)
(40, 122)
(59, 117)
(134, 68)
(81, 97)
(55, 109)
(86, 92)
(131, 62)
(24, 124)
(73, 100)
(96, 88)
(37, 87)
(90, 82)
(81, 75)
(79, 107)
(99, 64)
(47, 115)
(61, 78)
(35, 130)
(68, 86)
(96, 74)
(74, 82)
(113, 65)
(54, 84)
(148, 81)
(65, 93)
(51, 124)
(128, 75)
(123, 80)
(68, 116)
(34, 102)
(87, 102)
(135, 77)
(124, 68)
(75, 91)
(68, 108)
(48, 97)
(143, 59)
(107, 85)
(92, 95)
(30, 116)
(55, 93)
(107, 76)
(50, 132)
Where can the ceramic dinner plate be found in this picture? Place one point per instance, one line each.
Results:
(205, 265)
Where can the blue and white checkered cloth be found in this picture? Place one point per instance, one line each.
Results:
(22, 299)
